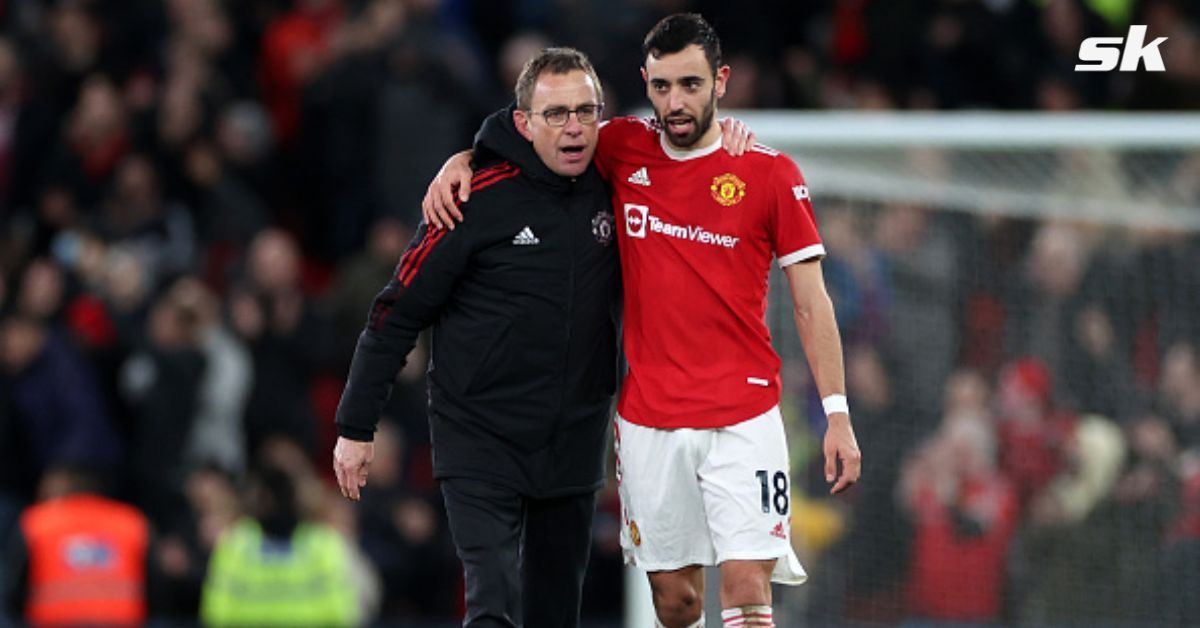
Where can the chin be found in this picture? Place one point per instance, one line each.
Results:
(572, 170)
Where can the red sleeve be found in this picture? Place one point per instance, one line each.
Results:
(604, 147)
(794, 236)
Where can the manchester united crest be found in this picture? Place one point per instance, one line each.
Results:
(634, 534)
(728, 189)
(602, 227)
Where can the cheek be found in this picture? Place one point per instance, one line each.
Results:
(545, 141)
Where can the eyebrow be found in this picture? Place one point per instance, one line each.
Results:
(691, 78)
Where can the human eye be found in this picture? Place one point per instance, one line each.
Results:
(587, 113)
(556, 115)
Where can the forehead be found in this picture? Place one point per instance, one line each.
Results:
(690, 61)
(563, 90)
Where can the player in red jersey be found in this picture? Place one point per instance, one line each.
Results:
(701, 450)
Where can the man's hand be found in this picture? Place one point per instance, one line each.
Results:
(840, 444)
(351, 460)
(439, 207)
(736, 137)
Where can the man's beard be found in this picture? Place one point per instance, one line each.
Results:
(700, 125)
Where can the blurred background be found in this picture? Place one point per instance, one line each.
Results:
(200, 198)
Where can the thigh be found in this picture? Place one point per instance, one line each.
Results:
(662, 510)
(558, 539)
(746, 484)
(485, 523)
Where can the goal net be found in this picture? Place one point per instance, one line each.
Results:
(1019, 296)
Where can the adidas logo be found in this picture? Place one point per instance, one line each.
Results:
(641, 177)
(526, 238)
(778, 532)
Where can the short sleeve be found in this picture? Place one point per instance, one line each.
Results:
(604, 148)
(794, 236)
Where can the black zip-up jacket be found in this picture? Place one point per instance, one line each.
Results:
(522, 297)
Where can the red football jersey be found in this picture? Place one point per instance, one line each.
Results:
(697, 232)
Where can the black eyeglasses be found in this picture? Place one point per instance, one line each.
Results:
(558, 116)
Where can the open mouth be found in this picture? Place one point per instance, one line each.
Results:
(681, 125)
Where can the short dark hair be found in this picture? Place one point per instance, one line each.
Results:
(558, 60)
(676, 32)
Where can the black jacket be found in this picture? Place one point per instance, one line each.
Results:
(522, 298)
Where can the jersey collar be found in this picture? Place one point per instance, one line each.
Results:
(684, 155)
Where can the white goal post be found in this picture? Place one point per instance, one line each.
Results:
(1138, 170)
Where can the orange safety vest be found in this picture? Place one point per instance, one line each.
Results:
(87, 562)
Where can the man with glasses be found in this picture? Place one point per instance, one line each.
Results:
(522, 305)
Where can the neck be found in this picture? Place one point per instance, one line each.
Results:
(710, 137)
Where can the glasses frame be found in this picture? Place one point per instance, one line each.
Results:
(566, 113)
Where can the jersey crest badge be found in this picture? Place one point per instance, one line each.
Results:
(728, 189)
(603, 226)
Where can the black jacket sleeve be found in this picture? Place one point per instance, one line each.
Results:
(423, 282)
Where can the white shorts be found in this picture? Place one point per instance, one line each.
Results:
(705, 496)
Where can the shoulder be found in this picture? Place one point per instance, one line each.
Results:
(763, 156)
(493, 174)
(628, 127)
(493, 184)
(765, 161)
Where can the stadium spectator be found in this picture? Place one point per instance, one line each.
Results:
(1179, 392)
(277, 567)
(283, 329)
(160, 382)
(79, 557)
(55, 403)
(964, 516)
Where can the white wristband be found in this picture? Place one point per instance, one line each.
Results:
(835, 403)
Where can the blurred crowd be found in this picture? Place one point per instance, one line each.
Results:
(199, 199)
(1027, 397)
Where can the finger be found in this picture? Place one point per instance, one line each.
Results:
(341, 479)
(427, 203)
(464, 187)
(737, 142)
(745, 138)
(830, 465)
(446, 198)
(431, 218)
(433, 215)
(851, 470)
(843, 483)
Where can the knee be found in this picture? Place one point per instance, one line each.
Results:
(748, 590)
(677, 604)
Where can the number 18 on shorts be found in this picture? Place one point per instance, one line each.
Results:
(705, 496)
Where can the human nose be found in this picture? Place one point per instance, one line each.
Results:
(675, 100)
(573, 125)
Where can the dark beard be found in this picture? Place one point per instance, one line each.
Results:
(702, 125)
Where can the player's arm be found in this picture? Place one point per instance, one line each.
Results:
(412, 300)
(815, 322)
(452, 184)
